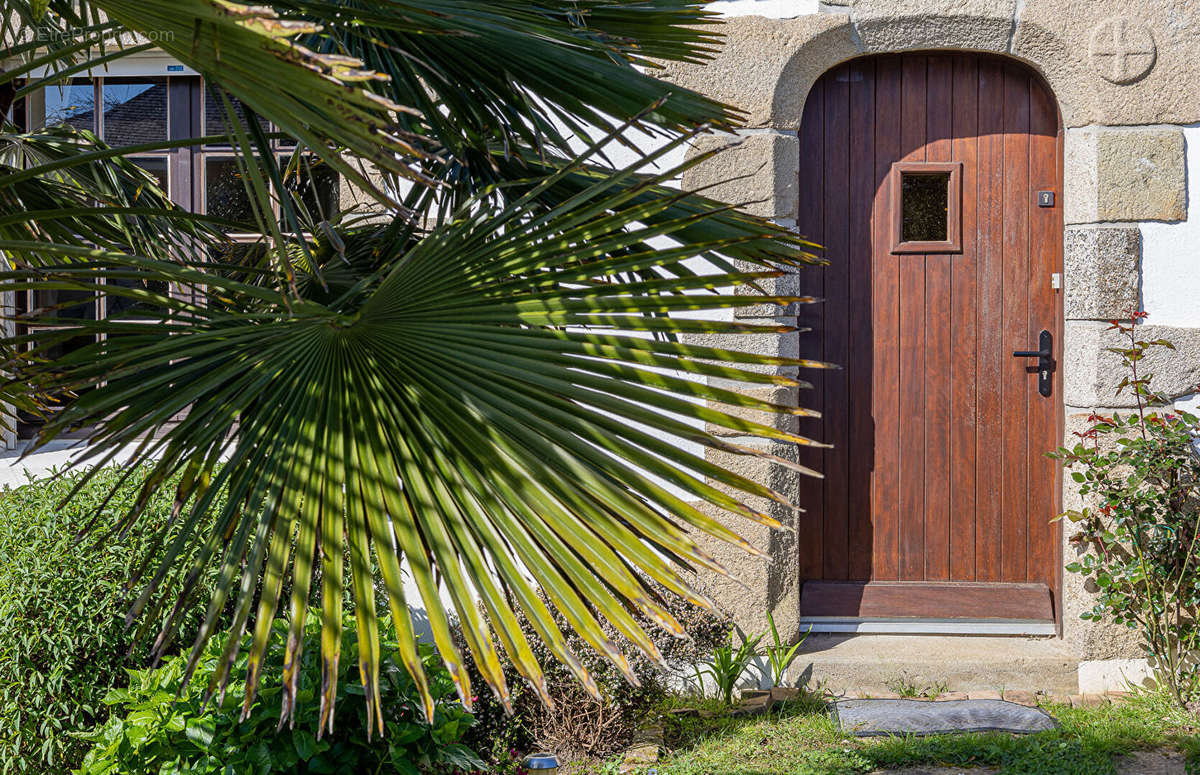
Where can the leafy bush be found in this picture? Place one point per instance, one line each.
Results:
(1140, 474)
(579, 728)
(162, 727)
(63, 641)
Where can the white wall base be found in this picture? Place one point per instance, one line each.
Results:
(1098, 676)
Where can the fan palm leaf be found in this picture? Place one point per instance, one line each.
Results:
(482, 400)
(489, 410)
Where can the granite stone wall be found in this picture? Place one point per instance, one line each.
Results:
(1126, 74)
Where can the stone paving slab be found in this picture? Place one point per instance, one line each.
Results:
(867, 718)
(1142, 763)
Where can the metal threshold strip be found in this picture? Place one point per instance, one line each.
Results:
(905, 626)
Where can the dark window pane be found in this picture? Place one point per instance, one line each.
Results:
(134, 111)
(249, 254)
(28, 423)
(225, 191)
(124, 306)
(924, 201)
(315, 184)
(19, 110)
(73, 104)
(156, 166)
(64, 305)
(215, 119)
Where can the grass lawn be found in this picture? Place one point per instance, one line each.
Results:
(801, 739)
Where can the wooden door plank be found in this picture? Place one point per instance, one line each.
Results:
(963, 311)
(911, 460)
(811, 282)
(1017, 335)
(861, 336)
(837, 319)
(938, 147)
(1045, 246)
(991, 359)
(926, 600)
(885, 400)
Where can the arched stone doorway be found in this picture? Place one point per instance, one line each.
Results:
(934, 182)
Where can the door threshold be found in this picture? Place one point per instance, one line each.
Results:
(891, 626)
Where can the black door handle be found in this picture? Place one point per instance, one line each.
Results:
(1045, 365)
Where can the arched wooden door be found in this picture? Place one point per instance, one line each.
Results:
(934, 183)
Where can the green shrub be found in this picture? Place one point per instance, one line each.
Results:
(63, 641)
(1140, 475)
(160, 727)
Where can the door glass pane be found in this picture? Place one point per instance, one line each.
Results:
(315, 184)
(73, 104)
(156, 166)
(135, 111)
(924, 199)
(225, 191)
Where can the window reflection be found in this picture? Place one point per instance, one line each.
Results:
(215, 119)
(73, 104)
(135, 111)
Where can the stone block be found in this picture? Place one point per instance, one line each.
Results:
(786, 694)
(794, 281)
(1079, 172)
(1125, 175)
(1021, 697)
(1112, 64)
(752, 706)
(785, 345)
(782, 395)
(1113, 676)
(985, 695)
(1101, 268)
(760, 173)
(756, 585)
(637, 758)
(351, 197)
(899, 25)
(1141, 175)
(767, 66)
(1091, 373)
(1152, 763)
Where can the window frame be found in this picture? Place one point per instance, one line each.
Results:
(953, 241)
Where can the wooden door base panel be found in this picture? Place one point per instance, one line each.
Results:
(940, 600)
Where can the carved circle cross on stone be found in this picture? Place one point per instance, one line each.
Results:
(1122, 50)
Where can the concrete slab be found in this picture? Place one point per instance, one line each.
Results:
(875, 664)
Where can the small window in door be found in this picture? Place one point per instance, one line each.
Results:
(926, 207)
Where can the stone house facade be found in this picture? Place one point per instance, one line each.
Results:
(1124, 80)
(1119, 84)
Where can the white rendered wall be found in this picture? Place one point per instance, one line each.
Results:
(1171, 255)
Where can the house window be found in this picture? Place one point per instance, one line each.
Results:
(926, 207)
(144, 110)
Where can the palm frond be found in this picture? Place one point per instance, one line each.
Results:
(488, 407)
